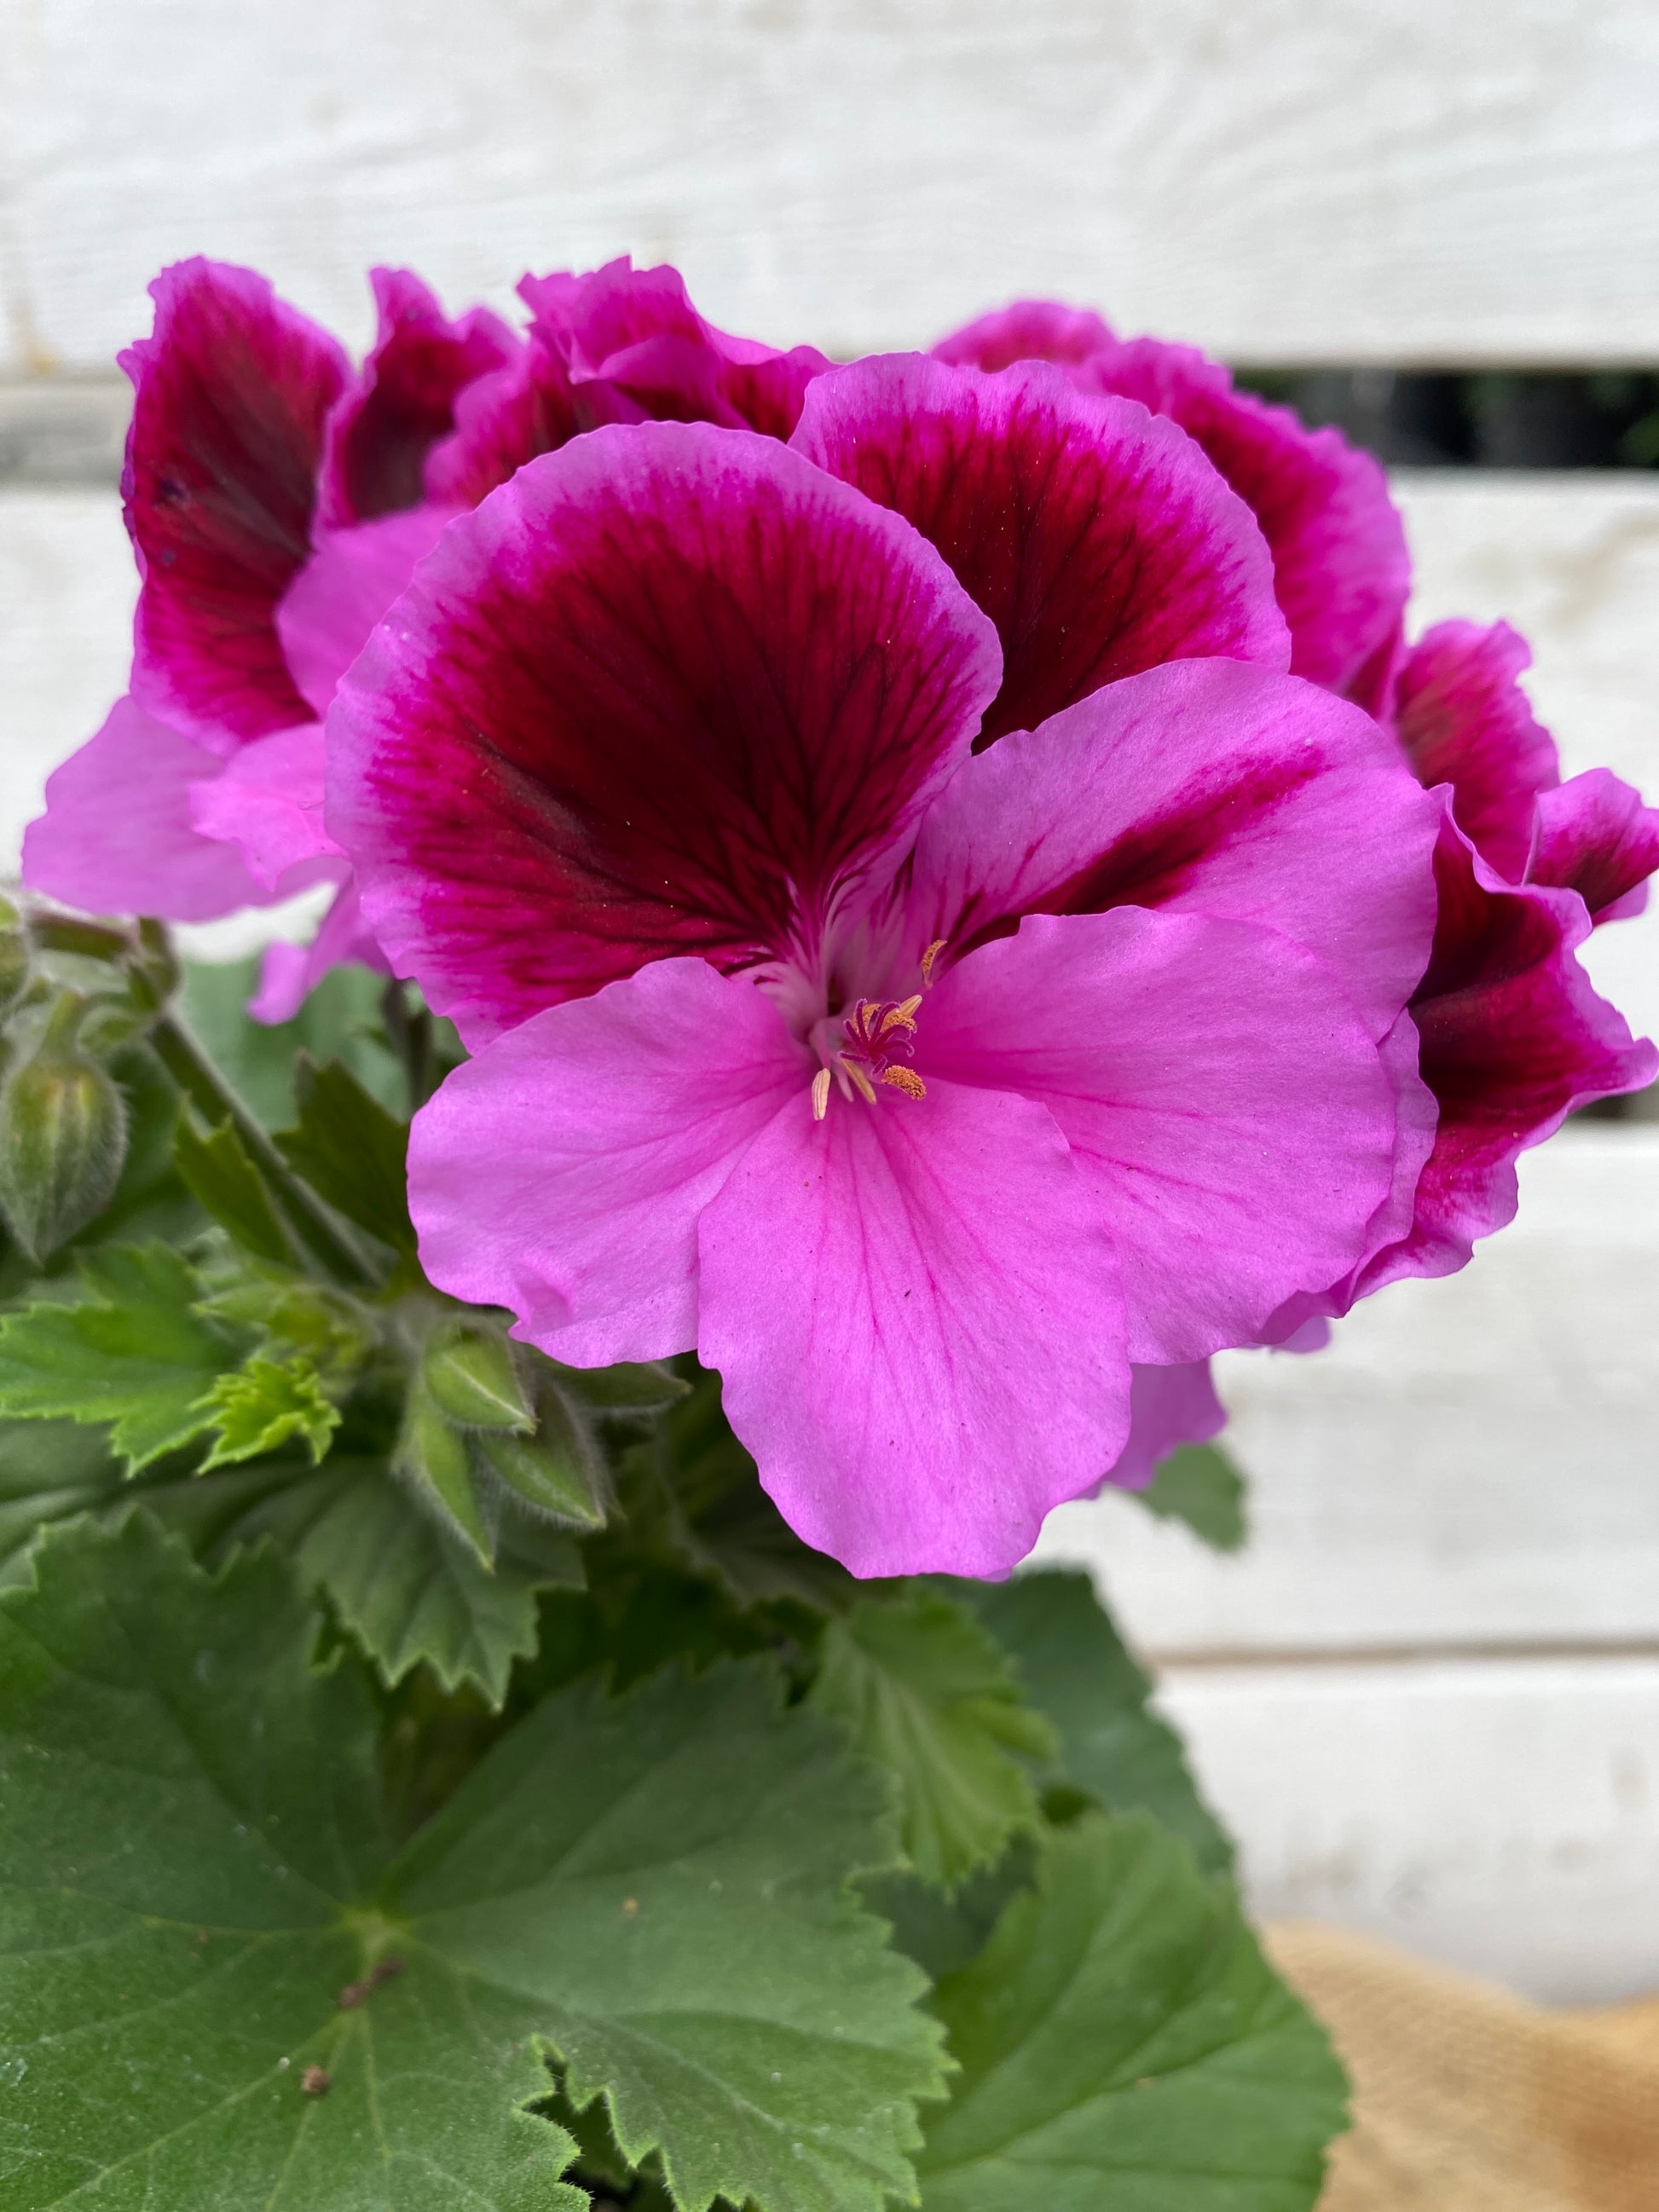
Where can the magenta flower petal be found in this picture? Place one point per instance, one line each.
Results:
(268, 801)
(1595, 837)
(402, 400)
(1168, 1407)
(562, 1172)
(1098, 540)
(502, 422)
(1224, 1100)
(230, 397)
(1464, 720)
(1206, 786)
(915, 1314)
(1341, 571)
(636, 351)
(666, 691)
(327, 612)
(117, 835)
(289, 973)
(1030, 330)
(1513, 1037)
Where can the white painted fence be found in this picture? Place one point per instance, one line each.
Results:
(1428, 1698)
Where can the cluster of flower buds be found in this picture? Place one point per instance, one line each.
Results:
(963, 898)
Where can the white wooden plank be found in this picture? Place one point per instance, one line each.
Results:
(1281, 179)
(67, 586)
(1502, 1817)
(1472, 1462)
(1572, 561)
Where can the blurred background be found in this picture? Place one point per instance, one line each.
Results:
(1427, 1697)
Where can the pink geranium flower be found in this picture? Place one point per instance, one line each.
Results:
(278, 505)
(921, 1091)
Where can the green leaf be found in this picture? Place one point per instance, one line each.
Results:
(49, 1471)
(339, 1020)
(191, 1851)
(700, 1487)
(1199, 1484)
(224, 1181)
(403, 1587)
(555, 1471)
(1123, 2042)
(350, 1151)
(924, 1690)
(1073, 1668)
(266, 1404)
(654, 1891)
(662, 1880)
(632, 1386)
(130, 1350)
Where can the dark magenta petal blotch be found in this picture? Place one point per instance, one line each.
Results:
(402, 400)
(914, 1310)
(664, 692)
(118, 835)
(1341, 572)
(231, 395)
(1097, 538)
(1513, 1037)
(1221, 1097)
(1464, 720)
(1341, 568)
(502, 421)
(1206, 786)
(1595, 837)
(636, 351)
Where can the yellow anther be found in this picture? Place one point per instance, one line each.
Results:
(905, 1079)
(867, 1089)
(927, 960)
(906, 1011)
(820, 1094)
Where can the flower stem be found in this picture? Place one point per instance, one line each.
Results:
(206, 1090)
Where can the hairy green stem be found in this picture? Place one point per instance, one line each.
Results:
(203, 1085)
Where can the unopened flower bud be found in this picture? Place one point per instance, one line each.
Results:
(432, 1455)
(471, 1375)
(14, 957)
(63, 1136)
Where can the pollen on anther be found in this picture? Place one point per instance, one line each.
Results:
(927, 960)
(905, 1079)
(820, 1094)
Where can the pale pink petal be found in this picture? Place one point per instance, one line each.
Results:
(1168, 1407)
(1206, 788)
(561, 1172)
(268, 800)
(914, 1310)
(291, 972)
(328, 611)
(1216, 1088)
(117, 835)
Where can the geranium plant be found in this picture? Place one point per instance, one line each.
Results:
(882, 913)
